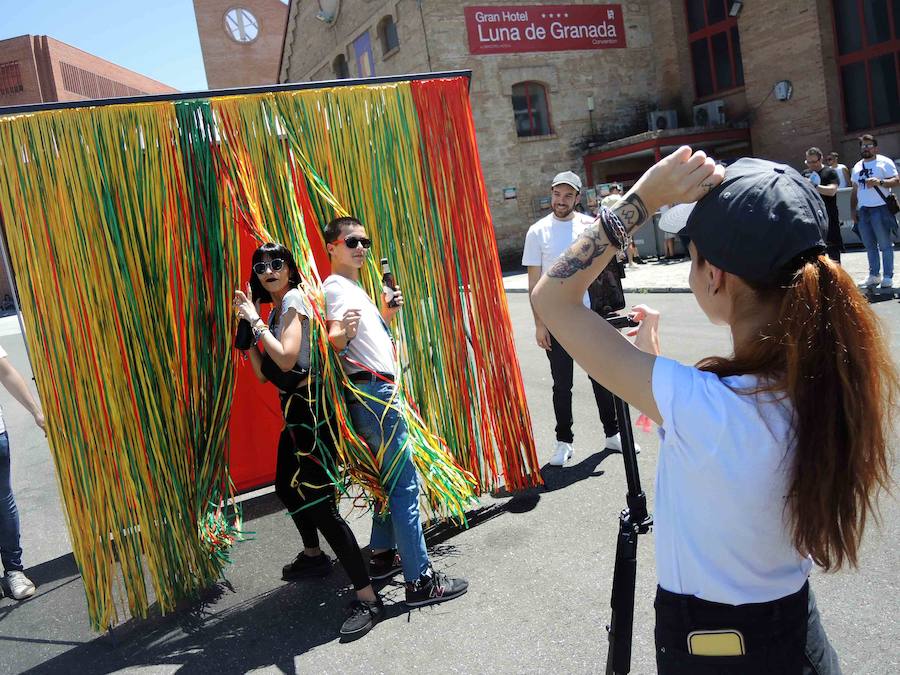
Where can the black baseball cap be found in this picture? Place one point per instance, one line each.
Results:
(759, 223)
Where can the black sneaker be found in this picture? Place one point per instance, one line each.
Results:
(384, 565)
(433, 588)
(305, 566)
(363, 615)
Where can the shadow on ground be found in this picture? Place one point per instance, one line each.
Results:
(209, 636)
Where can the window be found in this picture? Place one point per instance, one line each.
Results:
(529, 101)
(715, 47)
(10, 78)
(387, 34)
(867, 33)
(340, 67)
(90, 85)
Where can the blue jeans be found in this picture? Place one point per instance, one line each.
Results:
(379, 421)
(10, 550)
(821, 659)
(875, 226)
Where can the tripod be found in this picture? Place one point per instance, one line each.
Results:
(633, 521)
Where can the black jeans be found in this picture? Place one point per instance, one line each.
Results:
(304, 486)
(781, 637)
(561, 368)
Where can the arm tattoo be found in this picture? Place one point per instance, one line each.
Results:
(589, 246)
(631, 212)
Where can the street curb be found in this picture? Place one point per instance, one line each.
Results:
(627, 290)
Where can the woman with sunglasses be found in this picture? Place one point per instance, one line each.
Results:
(305, 448)
(770, 459)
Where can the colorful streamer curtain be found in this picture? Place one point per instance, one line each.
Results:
(123, 227)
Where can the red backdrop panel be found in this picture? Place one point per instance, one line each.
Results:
(256, 420)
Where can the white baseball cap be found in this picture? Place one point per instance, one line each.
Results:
(569, 178)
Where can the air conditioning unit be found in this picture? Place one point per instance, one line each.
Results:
(709, 114)
(662, 119)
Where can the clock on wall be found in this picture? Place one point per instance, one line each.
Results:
(241, 25)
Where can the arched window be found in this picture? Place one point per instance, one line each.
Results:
(529, 101)
(387, 33)
(341, 69)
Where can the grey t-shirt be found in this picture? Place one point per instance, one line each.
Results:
(295, 299)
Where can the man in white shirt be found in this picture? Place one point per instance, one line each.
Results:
(18, 585)
(358, 331)
(873, 177)
(833, 160)
(545, 241)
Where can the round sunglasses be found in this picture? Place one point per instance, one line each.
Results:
(275, 264)
(354, 242)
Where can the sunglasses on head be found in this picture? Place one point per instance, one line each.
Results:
(274, 264)
(354, 242)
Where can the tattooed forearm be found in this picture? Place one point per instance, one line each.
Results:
(581, 254)
(631, 212)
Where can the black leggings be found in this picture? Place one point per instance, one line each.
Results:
(303, 485)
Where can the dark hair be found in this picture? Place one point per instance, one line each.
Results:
(334, 228)
(814, 151)
(269, 251)
(868, 138)
(827, 353)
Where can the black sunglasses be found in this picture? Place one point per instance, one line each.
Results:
(274, 264)
(354, 242)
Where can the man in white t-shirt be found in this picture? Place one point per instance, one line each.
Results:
(833, 160)
(18, 585)
(873, 177)
(545, 241)
(358, 331)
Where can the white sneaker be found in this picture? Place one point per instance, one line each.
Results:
(887, 282)
(872, 280)
(20, 586)
(614, 443)
(563, 454)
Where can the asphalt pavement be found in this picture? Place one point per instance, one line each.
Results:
(540, 565)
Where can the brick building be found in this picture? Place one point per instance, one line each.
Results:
(606, 88)
(39, 69)
(241, 40)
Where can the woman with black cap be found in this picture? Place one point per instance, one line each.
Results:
(770, 460)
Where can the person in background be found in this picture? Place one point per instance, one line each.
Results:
(873, 177)
(825, 179)
(19, 586)
(833, 160)
(545, 241)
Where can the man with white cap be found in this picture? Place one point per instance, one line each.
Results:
(546, 240)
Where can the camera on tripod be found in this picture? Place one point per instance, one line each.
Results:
(607, 295)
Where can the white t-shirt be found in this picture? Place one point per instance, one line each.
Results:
(878, 167)
(548, 239)
(722, 533)
(842, 176)
(372, 347)
(294, 299)
(3, 355)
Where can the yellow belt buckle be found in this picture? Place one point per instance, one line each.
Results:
(725, 642)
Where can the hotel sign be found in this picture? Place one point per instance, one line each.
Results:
(543, 28)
